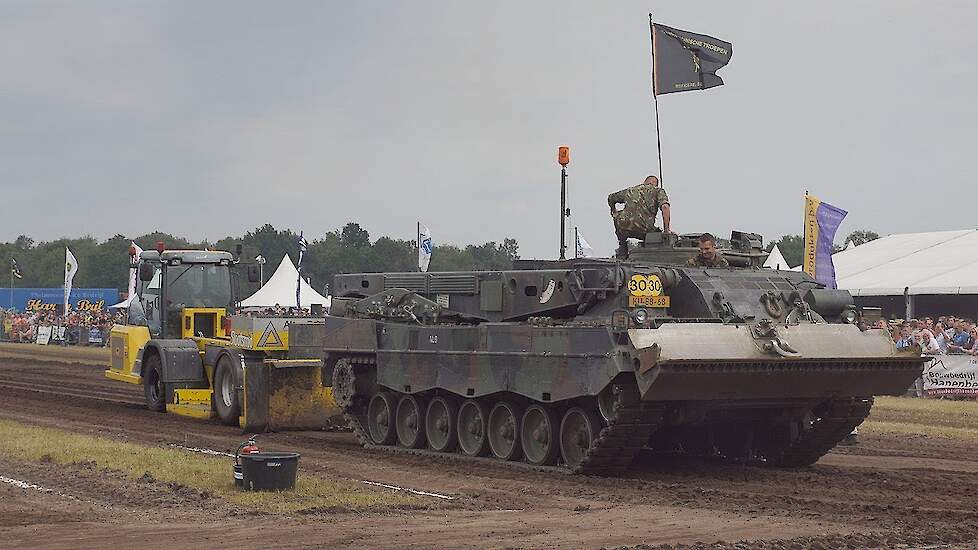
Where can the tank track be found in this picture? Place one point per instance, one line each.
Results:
(620, 443)
(611, 453)
(831, 427)
(355, 414)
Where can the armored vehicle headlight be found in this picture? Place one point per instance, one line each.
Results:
(641, 316)
(849, 316)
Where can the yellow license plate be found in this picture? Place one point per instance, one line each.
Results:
(648, 301)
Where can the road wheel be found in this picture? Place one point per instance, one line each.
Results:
(380, 418)
(410, 422)
(153, 387)
(538, 435)
(578, 429)
(504, 431)
(472, 428)
(227, 400)
(440, 424)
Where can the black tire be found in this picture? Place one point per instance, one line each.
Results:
(227, 398)
(153, 388)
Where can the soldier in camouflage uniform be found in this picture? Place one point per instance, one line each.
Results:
(708, 256)
(642, 203)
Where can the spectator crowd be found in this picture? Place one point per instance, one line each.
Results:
(87, 327)
(92, 328)
(944, 335)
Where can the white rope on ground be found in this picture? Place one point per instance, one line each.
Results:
(384, 485)
(24, 484)
(202, 451)
(413, 491)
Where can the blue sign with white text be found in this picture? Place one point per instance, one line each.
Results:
(48, 299)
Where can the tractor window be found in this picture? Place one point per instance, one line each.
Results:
(147, 311)
(199, 285)
(154, 285)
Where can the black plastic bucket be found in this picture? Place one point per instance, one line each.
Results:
(269, 471)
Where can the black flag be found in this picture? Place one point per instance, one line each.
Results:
(683, 61)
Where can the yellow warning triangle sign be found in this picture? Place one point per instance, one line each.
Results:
(270, 337)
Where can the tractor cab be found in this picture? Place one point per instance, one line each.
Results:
(183, 293)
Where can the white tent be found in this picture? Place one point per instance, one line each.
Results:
(775, 260)
(280, 289)
(125, 303)
(939, 262)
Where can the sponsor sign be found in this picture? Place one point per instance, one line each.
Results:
(260, 333)
(94, 336)
(91, 300)
(951, 375)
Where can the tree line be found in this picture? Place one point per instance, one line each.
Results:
(348, 250)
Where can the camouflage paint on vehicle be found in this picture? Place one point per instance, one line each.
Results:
(656, 349)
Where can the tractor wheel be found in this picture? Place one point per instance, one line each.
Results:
(226, 401)
(153, 387)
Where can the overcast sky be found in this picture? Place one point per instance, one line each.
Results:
(207, 119)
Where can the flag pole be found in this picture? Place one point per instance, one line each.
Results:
(64, 314)
(577, 243)
(655, 102)
(417, 241)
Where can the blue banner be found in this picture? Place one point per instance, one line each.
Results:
(48, 299)
(829, 219)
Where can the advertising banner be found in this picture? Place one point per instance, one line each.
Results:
(951, 375)
(822, 220)
(49, 299)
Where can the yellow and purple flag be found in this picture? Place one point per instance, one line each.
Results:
(822, 220)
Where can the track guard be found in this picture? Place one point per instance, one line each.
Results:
(287, 395)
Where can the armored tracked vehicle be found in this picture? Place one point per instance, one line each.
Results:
(585, 363)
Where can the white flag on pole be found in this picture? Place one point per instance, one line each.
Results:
(424, 248)
(584, 249)
(71, 267)
(134, 270)
(303, 246)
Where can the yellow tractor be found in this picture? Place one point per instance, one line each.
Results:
(194, 358)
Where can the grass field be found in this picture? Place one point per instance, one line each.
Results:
(936, 417)
(201, 472)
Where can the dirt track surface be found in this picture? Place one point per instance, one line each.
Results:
(888, 491)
